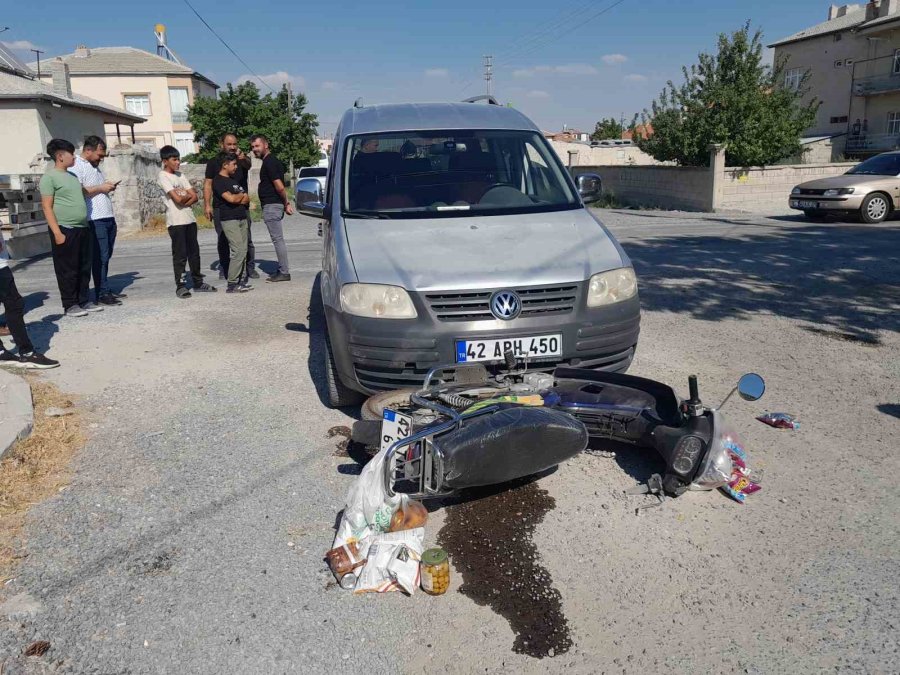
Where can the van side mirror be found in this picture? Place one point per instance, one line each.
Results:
(314, 209)
(590, 187)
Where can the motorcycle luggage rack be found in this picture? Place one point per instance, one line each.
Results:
(426, 468)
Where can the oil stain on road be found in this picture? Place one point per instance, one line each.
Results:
(490, 543)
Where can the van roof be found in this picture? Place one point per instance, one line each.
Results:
(431, 116)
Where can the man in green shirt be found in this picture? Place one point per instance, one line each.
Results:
(65, 209)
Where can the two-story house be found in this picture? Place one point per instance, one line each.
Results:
(145, 84)
(853, 63)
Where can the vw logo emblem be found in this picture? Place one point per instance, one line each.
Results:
(505, 305)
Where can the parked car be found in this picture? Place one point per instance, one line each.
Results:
(311, 182)
(871, 189)
(452, 233)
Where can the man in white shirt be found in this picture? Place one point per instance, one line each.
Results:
(101, 219)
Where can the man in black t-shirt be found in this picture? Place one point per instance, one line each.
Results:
(232, 200)
(274, 201)
(229, 145)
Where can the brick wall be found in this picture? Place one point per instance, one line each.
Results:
(768, 188)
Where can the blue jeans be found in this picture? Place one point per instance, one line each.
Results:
(104, 236)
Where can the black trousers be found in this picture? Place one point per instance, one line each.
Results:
(15, 311)
(185, 251)
(224, 249)
(72, 261)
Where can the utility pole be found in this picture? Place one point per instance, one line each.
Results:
(38, 52)
(489, 73)
(291, 115)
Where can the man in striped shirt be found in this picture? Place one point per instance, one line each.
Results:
(101, 219)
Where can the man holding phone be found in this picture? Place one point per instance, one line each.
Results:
(101, 220)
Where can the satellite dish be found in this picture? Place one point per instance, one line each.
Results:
(11, 64)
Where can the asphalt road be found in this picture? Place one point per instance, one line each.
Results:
(191, 537)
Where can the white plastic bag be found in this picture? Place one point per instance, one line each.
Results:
(393, 562)
(368, 509)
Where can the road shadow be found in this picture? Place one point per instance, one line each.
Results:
(638, 462)
(41, 332)
(269, 267)
(19, 265)
(35, 301)
(892, 409)
(847, 279)
(119, 282)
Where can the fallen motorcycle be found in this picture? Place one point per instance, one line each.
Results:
(467, 428)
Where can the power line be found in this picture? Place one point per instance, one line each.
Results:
(228, 47)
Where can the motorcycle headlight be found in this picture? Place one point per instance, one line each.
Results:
(839, 191)
(377, 301)
(608, 288)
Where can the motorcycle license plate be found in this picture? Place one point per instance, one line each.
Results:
(395, 426)
(473, 351)
(807, 205)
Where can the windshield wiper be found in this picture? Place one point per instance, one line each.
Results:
(367, 216)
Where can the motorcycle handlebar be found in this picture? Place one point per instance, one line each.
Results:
(694, 390)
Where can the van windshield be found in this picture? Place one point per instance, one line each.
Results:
(453, 174)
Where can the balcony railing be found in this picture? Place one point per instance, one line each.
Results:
(179, 118)
(876, 84)
(872, 143)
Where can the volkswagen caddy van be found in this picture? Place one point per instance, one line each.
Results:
(452, 233)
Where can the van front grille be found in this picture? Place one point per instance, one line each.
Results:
(475, 305)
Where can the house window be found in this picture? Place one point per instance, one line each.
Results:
(184, 142)
(839, 120)
(139, 104)
(792, 78)
(178, 100)
(893, 125)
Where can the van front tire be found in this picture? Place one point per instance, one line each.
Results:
(339, 394)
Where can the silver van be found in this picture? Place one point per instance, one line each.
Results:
(452, 234)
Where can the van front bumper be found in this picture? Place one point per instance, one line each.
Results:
(374, 355)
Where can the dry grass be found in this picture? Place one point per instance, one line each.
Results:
(35, 468)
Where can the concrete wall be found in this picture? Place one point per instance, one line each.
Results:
(767, 189)
(20, 136)
(138, 196)
(602, 156)
(718, 188)
(73, 124)
(665, 187)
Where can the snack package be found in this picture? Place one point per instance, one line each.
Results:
(740, 484)
(780, 421)
(344, 559)
(393, 562)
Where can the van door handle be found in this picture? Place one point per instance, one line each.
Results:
(319, 229)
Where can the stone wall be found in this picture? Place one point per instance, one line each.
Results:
(766, 189)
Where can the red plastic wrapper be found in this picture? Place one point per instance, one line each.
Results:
(780, 421)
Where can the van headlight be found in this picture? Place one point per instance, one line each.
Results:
(839, 191)
(795, 191)
(377, 301)
(608, 288)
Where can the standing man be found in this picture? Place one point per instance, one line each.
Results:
(101, 220)
(274, 201)
(70, 237)
(15, 316)
(229, 145)
(231, 200)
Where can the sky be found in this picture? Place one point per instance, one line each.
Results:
(571, 62)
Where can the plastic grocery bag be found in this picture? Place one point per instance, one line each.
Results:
(393, 562)
(368, 509)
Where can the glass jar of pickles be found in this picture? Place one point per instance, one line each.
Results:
(435, 569)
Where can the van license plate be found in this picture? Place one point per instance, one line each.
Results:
(472, 351)
(807, 205)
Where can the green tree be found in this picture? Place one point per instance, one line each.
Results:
(732, 98)
(607, 128)
(242, 111)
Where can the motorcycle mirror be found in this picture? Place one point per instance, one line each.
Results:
(751, 387)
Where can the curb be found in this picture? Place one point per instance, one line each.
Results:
(16, 410)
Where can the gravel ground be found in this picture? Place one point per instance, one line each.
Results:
(192, 535)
